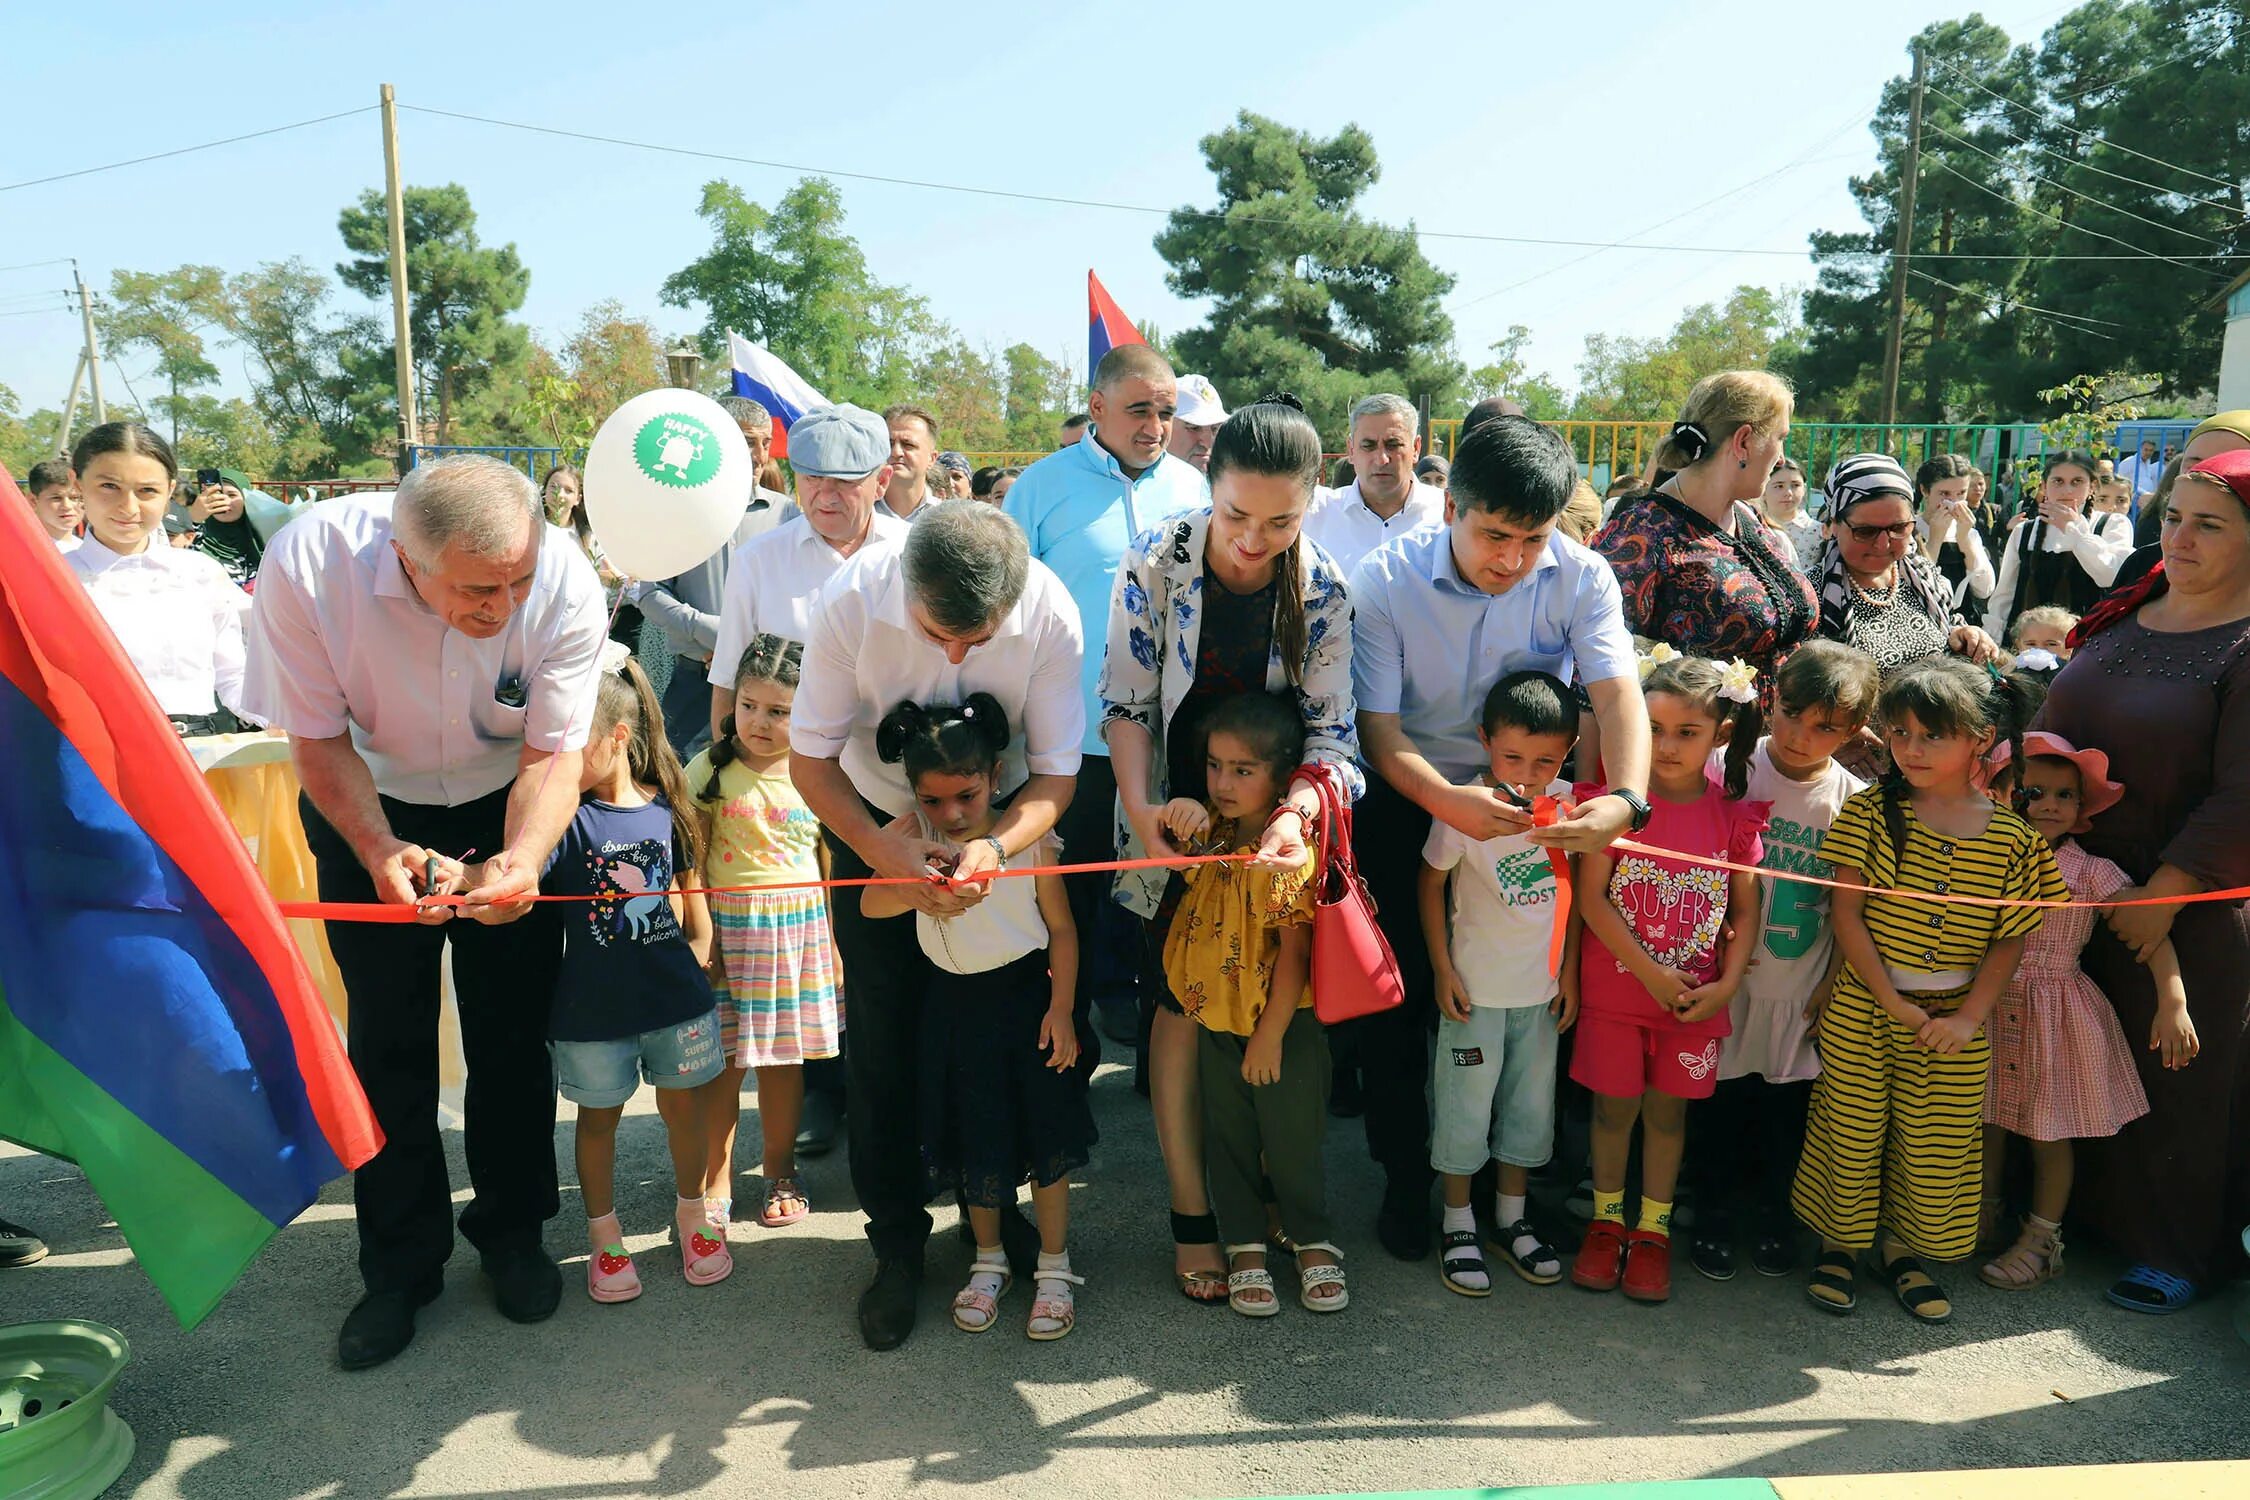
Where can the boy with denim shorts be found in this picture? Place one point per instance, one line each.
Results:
(1501, 1007)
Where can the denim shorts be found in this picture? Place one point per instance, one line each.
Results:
(603, 1075)
(1493, 1082)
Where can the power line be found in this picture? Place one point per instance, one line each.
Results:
(2084, 165)
(2071, 130)
(2037, 213)
(186, 150)
(32, 312)
(2004, 304)
(2065, 187)
(60, 260)
(2118, 83)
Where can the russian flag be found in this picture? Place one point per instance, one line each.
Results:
(157, 1025)
(766, 378)
(1106, 324)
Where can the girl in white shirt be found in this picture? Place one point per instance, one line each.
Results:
(2058, 553)
(176, 613)
(1002, 1098)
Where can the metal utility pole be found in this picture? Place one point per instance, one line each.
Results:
(70, 406)
(409, 428)
(1903, 247)
(93, 348)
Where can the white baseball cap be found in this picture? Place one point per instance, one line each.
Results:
(1200, 405)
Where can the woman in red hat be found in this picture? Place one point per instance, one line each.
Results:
(2161, 680)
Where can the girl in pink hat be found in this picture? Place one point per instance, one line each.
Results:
(2061, 1068)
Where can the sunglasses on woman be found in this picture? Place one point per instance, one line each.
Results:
(1867, 536)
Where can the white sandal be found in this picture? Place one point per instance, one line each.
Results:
(1311, 1277)
(1053, 1305)
(1250, 1279)
(978, 1299)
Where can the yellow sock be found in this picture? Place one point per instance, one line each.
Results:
(1656, 1218)
(1609, 1206)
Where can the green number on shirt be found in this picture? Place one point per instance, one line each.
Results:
(1793, 920)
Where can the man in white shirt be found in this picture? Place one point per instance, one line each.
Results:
(1385, 500)
(840, 454)
(432, 656)
(959, 607)
(1195, 422)
(913, 440)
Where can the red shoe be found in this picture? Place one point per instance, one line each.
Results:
(1600, 1256)
(1648, 1266)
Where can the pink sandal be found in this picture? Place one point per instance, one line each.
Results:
(786, 1204)
(610, 1276)
(704, 1257)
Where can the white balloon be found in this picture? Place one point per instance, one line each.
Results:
(667, 480)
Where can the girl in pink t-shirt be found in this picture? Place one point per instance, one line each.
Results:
(1656, 972)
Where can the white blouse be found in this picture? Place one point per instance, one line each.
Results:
(998, 930)
(178, 616)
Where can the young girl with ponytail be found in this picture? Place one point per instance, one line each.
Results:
(1003, 1101)
(631, 1001)
(1894, 1143)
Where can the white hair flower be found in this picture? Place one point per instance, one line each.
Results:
(1738, 682)
(614, 655)
(1655, 657)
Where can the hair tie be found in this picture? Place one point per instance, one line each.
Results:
(1281, 398)
(968, 710)
(1692, 439)
(614, 656)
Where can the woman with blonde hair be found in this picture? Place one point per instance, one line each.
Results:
(1699, 568)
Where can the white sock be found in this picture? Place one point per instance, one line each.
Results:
(1463, 1217)
(1059, 1261)
(1510, 1208)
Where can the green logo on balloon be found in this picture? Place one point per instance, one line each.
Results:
(677, 451)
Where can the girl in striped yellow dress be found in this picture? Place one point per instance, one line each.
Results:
(1894, 1145)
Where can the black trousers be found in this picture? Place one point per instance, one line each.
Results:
(1108, 945)
(1742, 1148)
(504, 984)
(1394, 1048)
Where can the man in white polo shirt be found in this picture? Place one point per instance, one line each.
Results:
(1385, 500)
(842, 458)
(960, 607)
(432, 656)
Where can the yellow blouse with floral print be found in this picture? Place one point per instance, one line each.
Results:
(1226, 933)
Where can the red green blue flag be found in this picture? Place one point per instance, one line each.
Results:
(157, 1024)
(1106, 324)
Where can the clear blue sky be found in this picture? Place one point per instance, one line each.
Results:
(1587, 122)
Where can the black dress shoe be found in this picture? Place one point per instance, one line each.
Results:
(887, 1307)
(19, 1246)
(380, 1328)
(1712, 1255)
(1403, 1222)
(1774, 1253)
(824, 1116)
(527, 1286)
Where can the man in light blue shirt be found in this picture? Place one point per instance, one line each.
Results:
(1438, 616)
(1080, 506)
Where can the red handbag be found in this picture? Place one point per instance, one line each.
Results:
(1354, 972)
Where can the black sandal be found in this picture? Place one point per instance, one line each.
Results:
(1831, 1287)
(1913, 1285)
(1458, 1252)
(1206, 1287)
(1529, 1266)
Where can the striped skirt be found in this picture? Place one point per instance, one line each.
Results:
(784, 1002)
(1895, 1135)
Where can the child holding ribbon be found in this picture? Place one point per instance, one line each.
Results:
(1656, 973)
(1501, 1004)
(1893, 1159)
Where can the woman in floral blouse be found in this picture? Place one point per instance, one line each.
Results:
(1699, 569)
(1219, 602)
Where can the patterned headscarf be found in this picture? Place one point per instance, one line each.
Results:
(1853, 482)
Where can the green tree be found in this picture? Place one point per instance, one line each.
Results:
(166, 314)
(1310, 295)
(790, 278)
(26, 440)
(459, 291)
(323, 386)
(1507, 374)
(962, 387)
(611, 358)
(1038, 393)
(1626, 379)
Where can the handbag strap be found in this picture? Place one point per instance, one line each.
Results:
(1333, 831)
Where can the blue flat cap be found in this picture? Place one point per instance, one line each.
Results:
(839, 442)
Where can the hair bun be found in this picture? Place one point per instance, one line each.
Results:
(896, 728)
(1281, 398)
(1691, 439)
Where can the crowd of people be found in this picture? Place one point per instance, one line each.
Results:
(1687, 702)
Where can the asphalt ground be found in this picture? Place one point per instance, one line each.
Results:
(759, 1385)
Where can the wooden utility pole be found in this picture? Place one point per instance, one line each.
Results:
(1902, 248)
(70, 407)
(93, 350)
(409, 428)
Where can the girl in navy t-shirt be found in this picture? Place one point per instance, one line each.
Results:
(633, 1000)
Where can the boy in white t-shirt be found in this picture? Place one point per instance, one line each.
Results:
(1500, 1006)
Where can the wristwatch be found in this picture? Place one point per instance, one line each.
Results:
(1000, 850)
(1639, 804)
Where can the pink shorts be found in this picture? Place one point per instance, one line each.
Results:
(1624, 1058)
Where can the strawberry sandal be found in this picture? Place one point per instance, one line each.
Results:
(704, 1257)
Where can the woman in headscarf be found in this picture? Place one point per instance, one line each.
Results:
(2160, 679)
(2219, 434)
(1878, 591)
(223, 528)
